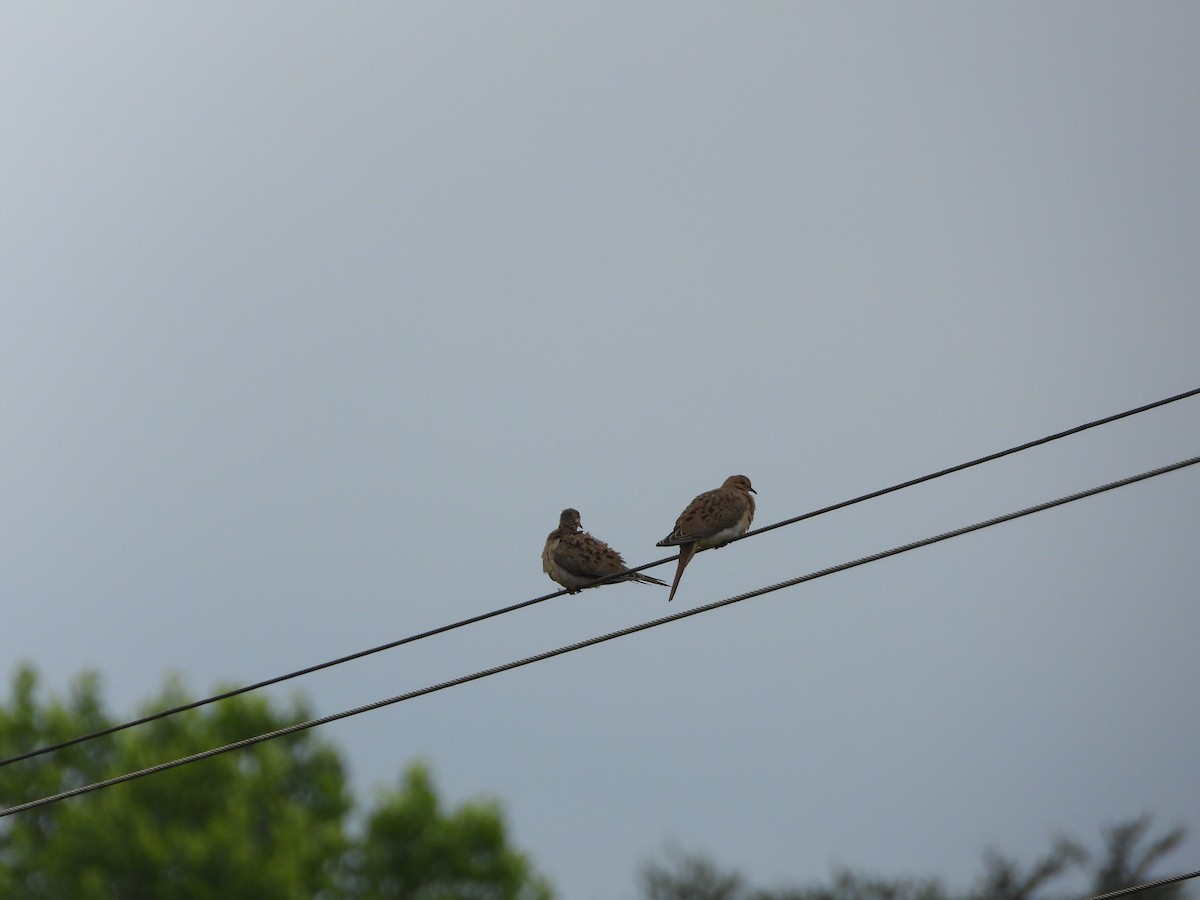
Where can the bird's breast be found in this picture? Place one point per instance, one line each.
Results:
(725, 535)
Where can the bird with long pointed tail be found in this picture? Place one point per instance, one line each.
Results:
(574, 558)
(712, 520)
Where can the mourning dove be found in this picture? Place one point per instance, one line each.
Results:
(574, 558)
(711, 520)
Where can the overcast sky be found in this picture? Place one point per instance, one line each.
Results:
(315, 316)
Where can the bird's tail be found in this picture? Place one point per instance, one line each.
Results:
(685, 556)
(645, 579)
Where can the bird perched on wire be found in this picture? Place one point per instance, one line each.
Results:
(574, 558)
(712, 520)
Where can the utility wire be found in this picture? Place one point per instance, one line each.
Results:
(975, 462)
(390, 645)
(112, 729)
(1147, 886)
(579, 645)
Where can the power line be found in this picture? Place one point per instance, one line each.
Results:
(391, 645)
(579, 645)
(1147, 886)
(975, 462)
(308, 670)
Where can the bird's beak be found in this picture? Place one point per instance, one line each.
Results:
(752, 490)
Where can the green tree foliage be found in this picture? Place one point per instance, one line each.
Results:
(690, 876)
(266, 822)
(1007, 879)
(1128, 856)
(847, 885)
(1127, 861)
(414, 850)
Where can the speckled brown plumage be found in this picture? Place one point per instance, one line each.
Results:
(711, 520)
(574, 558)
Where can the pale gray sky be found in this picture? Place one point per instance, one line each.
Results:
(316, 317)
